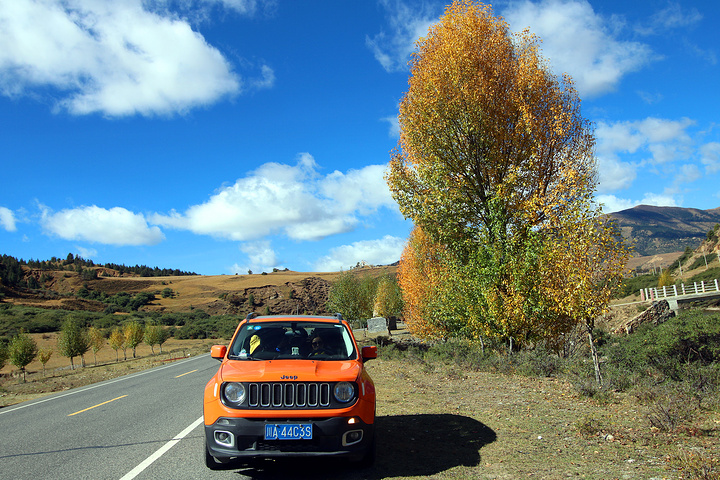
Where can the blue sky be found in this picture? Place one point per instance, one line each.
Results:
(221, 136)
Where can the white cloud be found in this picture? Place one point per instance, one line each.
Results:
(383, 251)
(7, 219)
(624, 147)
(614, 173)
(116, 226)
(580, 42)
(394, 123)
(363, 190)
(407, 24)
(611, 203)
(261, 257)
(575, 39)
(294, 200)
(247, 7)
(87, 253)
(688, 173)
(672, 16)
(114, 58)
(710, 157)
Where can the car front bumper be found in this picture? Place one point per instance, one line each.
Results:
(231, 437)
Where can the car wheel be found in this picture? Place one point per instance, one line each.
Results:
(214, 463)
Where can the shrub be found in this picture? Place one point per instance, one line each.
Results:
(663, 350)
(669, 411)
(537, 362)
(706, 275)
(697, 465)
(635, 284)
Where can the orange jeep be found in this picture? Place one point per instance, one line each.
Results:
(290, 386)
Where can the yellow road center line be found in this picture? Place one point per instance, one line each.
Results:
(98, 405)
(191, 371)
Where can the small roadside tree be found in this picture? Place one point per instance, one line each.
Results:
(155, 335)
(97, 341)
(583, 267)
(352, 295)
(388, 298)
(134, 333)
(73, 340)
(22, 351)
(44, 355)
(117, 341)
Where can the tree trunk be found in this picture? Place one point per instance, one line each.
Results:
(595, 358)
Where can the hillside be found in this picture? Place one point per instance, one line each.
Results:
(660, 230)
(275, 293)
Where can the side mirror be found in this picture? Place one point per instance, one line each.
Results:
(218, 352)
(369, 352)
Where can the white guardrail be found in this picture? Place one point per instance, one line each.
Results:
(670, 291)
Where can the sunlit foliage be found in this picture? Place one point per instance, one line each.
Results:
(495, 167)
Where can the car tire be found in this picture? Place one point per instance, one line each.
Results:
(214, 463)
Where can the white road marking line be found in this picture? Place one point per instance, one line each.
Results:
(148, 461)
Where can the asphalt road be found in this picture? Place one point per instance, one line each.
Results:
(147, 425)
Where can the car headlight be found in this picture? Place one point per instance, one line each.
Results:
(344, 391)
(235, 392)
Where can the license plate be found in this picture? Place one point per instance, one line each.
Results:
(288, 431)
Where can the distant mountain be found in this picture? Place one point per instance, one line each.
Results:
(656, 230)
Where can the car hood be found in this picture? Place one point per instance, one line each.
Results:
(289, 371)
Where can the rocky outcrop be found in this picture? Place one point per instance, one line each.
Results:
(309, 295)
(657, 313)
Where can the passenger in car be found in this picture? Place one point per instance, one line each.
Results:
(318, 346)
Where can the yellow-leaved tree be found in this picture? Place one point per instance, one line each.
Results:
(419, 274)
(495, 165)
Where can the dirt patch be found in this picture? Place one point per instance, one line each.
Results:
(649, 262)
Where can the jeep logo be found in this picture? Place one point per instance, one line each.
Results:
(289, 377)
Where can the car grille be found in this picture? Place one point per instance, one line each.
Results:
(289, 395)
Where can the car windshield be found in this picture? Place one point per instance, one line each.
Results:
(293, 340)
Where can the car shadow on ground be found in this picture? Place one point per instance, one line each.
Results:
(407, 445)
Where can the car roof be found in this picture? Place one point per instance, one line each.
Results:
(294, 318)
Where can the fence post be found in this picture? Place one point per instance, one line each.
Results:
(642, 294)
(716, 286)
(675, 289)
(683, 288)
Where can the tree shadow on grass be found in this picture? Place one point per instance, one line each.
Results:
(407, 445)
